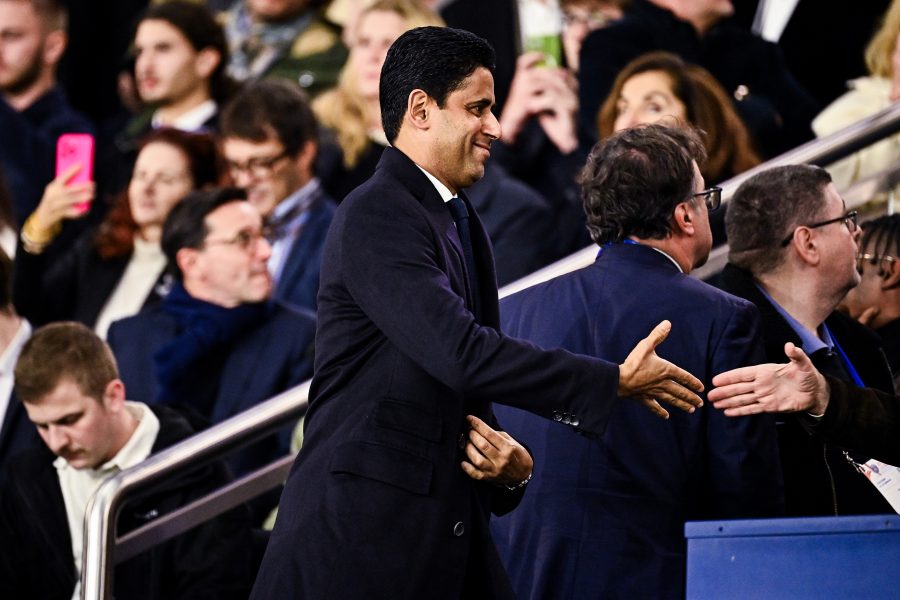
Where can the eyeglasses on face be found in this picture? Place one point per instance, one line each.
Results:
(850, 219)
(872, 259)
(245, 239)
(258, 167)
(712, 197)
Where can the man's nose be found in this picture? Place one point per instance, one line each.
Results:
(57, 439)
(492, 126)
(242, 177)
(263, 248)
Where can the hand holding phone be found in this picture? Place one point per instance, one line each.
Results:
(75, 149)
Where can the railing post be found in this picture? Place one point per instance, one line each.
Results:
(99, 541)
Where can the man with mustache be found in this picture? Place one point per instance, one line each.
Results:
(67, 380)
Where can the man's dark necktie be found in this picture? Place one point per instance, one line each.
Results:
(461, 216)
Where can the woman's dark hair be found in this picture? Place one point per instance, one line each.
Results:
(729, 148)
(115, 236)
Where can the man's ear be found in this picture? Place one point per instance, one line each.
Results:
(806, 245)
(114, 395)
(684, 218)
(306, 156)
(890, 274)
(54, 46)
(206, 62)
(418, 107)
(187, 259)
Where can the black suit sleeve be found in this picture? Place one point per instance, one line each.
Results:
(397, 276)
(862, 419)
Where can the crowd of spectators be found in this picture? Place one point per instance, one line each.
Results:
(227, 132)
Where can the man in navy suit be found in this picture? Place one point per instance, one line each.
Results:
(216, 345)
(402, 462)
(270, 144)
(604, 517)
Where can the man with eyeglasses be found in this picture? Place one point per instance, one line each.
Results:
(618, 503)
(876, 300)
(270, 145)
(216, 345)
(793, 248)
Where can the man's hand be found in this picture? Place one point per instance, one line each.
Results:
(646, 377)
(494, 456)
(792, 387)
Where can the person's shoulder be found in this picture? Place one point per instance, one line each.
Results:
(26, 465)
(285, 312)
(173, 427)
(845, 326)
(153, 316)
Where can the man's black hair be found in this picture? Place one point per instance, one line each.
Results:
(185, 227)
(435, 60)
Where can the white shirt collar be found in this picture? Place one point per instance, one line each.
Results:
(674, 262)
(443, 190)
(192, 120)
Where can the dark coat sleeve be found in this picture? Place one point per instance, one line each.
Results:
(862, 419)
(396, 279)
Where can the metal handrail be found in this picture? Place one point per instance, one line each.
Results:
(102, 509)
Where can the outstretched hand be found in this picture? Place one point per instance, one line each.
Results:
(791, 387)
(650, 379)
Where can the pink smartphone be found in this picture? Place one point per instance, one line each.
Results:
(72, 148)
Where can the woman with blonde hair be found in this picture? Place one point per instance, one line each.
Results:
(351, 111)
(867, 96)
(660, 85)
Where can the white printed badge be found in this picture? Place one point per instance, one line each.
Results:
(885, 478)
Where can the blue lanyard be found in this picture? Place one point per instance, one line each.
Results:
(608, 244)
(850, 368)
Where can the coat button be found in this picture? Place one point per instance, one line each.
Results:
(463, 441)
(557, 416)
(459, 529)
(575, 421)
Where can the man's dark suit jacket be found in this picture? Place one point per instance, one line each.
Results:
(17, 433)
(605, 518)
(842, 32)
(299, 280)
(36, 562)
(818, 480)
(377, 505)
(266, 361)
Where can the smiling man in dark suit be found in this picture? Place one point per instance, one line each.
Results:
(605, 518)
(402, 463)
(216, 345)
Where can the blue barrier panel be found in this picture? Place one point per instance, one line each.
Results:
(813, 558)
